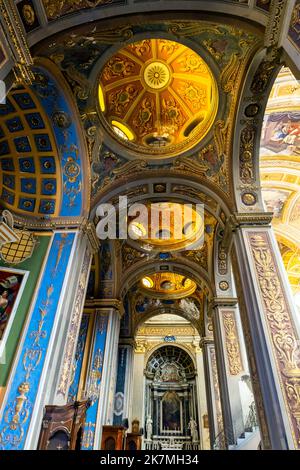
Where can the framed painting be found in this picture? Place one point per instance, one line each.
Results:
(171, 413)
(12, 284)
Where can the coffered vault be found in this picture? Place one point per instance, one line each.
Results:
(140, 99)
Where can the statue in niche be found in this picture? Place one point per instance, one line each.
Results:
(193, 428)
(149, 428)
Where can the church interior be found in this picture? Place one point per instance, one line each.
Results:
(166, 332)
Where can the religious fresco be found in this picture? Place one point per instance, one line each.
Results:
(295, 213)
(291, 258)
(170, 102)
(279, 167)
(171, 412)
(10, 285)
(294, 29)
(76, 56)
(55, 9)
(281, 134)
(264, 4)
(27, 12)
(275, 200)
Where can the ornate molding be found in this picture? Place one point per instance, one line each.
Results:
(282, 331)
(223, 302)
(216, 387)
(74, 326)
(165, 330)
(105, 304)
(275, 23)
(18, 44)
(249, 219)
(206, 340)
(49, 224)
(89, 229)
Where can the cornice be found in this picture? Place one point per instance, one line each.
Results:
(104, 304)
(17, 41)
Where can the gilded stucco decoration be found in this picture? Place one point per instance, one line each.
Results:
(280, 169)
(55, 9)
(158, 97)
(226, 46)
(280, 326)
(232, 343)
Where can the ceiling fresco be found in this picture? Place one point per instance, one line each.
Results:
(167, 285)
(159, 96)
(78, 55)
(55, 9)
(294, 30)
(168, 226)
(280, 169)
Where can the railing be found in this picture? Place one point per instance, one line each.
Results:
(175, 443)
(229, 437)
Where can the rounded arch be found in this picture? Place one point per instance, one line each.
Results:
(159, 184)
(175, 353)
(182, 266)
(251, 105)
(169, 309)
(43, 150)
(163, 10)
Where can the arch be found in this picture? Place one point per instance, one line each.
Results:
(232, 11)
(52, 182)
(186, 268)
(175, 353)
(170, 309)
(251, 105)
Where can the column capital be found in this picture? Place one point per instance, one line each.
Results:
(102, 305)
(206, 340)
(217, 302)
(89, 230)
(140, 346)
(244, 219)
(239, 219)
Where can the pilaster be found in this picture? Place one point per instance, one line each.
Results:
(270, 324)
(28, 386)
(102, 372)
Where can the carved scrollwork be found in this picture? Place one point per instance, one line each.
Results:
(280, 325)
(232, 343)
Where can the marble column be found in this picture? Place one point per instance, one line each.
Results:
(212, 389)
(271, 330)
(102, 372)
(32, 378)
(124, 385)
(229, 366)
(138, 396)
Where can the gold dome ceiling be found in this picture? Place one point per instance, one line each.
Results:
(168, 285)
(158, 97)
(168, 226)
